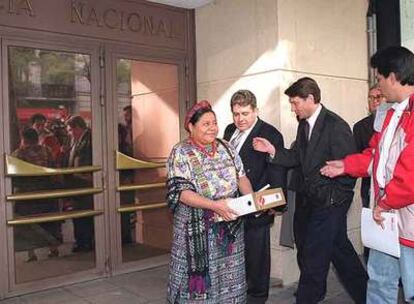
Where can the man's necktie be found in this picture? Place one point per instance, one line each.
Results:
(306, 128)
(235, 141)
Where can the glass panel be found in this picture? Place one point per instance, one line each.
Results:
(50, 119)
(147, 94)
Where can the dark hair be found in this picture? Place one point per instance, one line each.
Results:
(303, 87)
(395, 59)
(197, 115)
(30, 136)
(243, 98)
(127, 108)
(76, 121)
(37, 117)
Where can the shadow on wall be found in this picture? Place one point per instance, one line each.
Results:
(244, 52)
(265, 45)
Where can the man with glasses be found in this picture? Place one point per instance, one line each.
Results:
(363, 131)
(390, 160)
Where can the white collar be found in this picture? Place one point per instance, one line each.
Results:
(400, 106)
(312, 119)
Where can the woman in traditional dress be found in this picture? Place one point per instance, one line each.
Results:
(207, 255)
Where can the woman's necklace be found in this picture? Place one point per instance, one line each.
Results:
(209, 149)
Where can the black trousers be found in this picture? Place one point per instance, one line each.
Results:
(257, 255)
(84, 232)
(321, 238)
(83, 227)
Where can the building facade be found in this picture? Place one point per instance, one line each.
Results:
(129, 70)
(265, 45)
(123, 73)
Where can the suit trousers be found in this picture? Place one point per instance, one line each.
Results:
(321, 238)
(257, 256)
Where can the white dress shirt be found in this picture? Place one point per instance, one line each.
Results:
(312, 119)
(243, 138)
(387, 141)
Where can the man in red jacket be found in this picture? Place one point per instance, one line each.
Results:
(391, 154)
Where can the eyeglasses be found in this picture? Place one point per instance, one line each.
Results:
(375, 97)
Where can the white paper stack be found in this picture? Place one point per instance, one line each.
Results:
(374, 236)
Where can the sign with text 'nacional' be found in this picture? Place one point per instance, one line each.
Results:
(130, 21)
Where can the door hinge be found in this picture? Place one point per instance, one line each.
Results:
(102, 76)
(101, 61)
(186, 69)
(102, 99)
(103, 181)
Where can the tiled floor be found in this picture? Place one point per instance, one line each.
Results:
(148, 287)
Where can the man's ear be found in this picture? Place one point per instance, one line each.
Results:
(310, 98)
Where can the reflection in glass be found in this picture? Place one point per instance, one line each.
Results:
(148, 127)
(50, 118)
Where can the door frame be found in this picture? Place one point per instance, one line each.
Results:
(112, 54)
(102, 92)
(52, 42)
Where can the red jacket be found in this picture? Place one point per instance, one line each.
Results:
(398, 190)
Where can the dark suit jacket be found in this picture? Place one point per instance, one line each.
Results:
(259, 171)
(363, 131)
(331, 139)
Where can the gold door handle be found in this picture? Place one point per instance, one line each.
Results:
(52, 194)
(137, 207)
(52, 217)
(140, 187)
(125, 162)
(18, 167)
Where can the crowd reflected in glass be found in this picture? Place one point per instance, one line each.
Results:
(50, 126)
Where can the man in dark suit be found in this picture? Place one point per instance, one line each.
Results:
(240, 134)
(79, 154)
(320, 223)
(363, 131)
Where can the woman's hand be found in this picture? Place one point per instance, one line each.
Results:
(263, 145)
(223, 210)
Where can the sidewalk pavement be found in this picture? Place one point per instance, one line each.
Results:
(149, 287)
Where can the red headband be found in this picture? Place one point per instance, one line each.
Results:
(203, 104)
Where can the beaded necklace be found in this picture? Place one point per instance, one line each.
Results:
(209, 149)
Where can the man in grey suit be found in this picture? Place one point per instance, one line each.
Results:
(240, 134)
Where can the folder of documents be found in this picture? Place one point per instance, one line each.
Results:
(374, 236)
(249, 203)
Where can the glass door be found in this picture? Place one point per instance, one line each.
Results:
(53, 179)
(85, 140)
(146, 113)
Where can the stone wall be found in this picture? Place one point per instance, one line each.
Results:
(264, 45)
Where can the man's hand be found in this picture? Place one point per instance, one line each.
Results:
(376, 215)
(274, 212)
(263, 145)
(333, 168)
